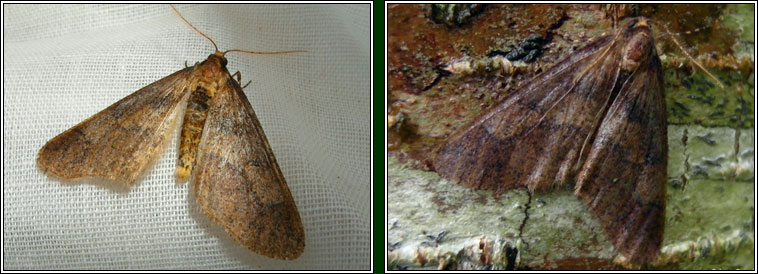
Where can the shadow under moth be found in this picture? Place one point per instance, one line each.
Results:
(597, 119)
(223, 149)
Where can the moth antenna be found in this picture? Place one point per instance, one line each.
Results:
(231, 50)
(264, 52)
(682, 32)
(687, 54)
(193, 27)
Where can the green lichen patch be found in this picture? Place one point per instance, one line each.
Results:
(740, 18)
(694, 98)
(561, 232)
(709, 215)
(710, 152)
(436, 216)
(744, 168)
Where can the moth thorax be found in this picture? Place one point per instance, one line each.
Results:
(209, 88)
(637, 50)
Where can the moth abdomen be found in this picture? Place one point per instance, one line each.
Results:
(208, 76)
(192, 130)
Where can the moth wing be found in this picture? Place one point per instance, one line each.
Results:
(535, 137)
(119, 142)
(623, 180)
(238, 182)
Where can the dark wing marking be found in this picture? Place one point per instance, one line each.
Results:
(120, 141)
(623, 180)
(598, 117)
(535, 136)
(238, 182)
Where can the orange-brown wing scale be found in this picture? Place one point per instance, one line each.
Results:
(118, 143)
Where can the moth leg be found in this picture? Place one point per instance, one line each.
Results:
(239, 76)
(239, 79)
(186, 66)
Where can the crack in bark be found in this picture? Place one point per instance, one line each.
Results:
(683, 177)
(526, 217)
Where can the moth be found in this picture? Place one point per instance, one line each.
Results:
(597, 119)
(223, 149)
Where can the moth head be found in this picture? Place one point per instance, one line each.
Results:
(211, 67)
(217, 57)
(639, 46)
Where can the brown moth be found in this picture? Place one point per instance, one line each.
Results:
(237, 181)
(597, 119)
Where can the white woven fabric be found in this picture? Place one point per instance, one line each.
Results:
(64, 63)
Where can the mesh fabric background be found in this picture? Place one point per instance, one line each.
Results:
(64, 63)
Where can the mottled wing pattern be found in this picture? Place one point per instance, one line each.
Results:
(600, 121)
(119, 142)
(238, 182)
(506, 149)
(623, 180)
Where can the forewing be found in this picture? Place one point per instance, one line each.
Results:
(238, 182)
(534, 137)
(623, 180)
(119, 142)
